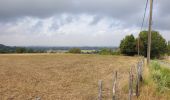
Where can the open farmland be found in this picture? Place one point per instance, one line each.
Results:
(61, 76)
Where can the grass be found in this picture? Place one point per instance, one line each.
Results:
(75, 77)
(166, 59)
(156, 80)
(61, 76)
(161, 75)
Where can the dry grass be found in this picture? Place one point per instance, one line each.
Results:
(60, 76)
(168, 59)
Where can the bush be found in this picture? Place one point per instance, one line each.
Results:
(75, 50)
(20, 50)
(116, 53)
(105, 51)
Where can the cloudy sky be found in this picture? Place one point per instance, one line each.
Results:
(77, 22)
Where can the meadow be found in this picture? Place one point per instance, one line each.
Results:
(61, 76)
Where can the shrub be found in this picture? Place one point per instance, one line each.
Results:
(20, 50)
(105, 51)
(116, 53)
(75, 50)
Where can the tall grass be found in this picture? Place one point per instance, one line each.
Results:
(161, 76)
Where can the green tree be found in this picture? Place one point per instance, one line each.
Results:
(168, 47)
(128, 45)
(158, 45)
(75, 50)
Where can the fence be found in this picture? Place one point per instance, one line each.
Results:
(135, 81)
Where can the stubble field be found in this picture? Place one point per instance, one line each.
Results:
(61, 76)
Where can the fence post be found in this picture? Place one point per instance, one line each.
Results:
(114, 86)
(100, 90)
(130, 84)
(140, 71)
(138, 79)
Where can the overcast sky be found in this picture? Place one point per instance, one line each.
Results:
(77, 22)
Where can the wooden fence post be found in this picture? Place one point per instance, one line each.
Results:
(114, 86)
(130, 85)
(137, 84)
(140, 71)
(100, 90)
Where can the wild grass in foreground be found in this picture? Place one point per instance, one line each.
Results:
(155, 84)
(161, 76)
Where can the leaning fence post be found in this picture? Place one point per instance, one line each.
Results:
(114, 85)
(100, 90)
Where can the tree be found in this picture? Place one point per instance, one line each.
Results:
(168, 47)
(128, 45)
(75, 50)
(158, 45)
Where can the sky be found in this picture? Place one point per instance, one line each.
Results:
(77, 22)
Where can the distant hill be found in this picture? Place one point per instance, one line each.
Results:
(6, 49)
(39, 49)
(67, 48)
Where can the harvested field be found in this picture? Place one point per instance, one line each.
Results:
(61, 76)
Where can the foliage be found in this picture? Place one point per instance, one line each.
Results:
(116, 53)
(75, 50)
(169, 48)
(6, 49)
(158, 45)
(127, 45)
(20, 50)
(105, 51)
(9, 49)
(161, 76)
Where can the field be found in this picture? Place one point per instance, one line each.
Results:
(168, 59)
(61, 76)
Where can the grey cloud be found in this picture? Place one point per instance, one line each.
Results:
(44, 8)
(128, 11)
(59, 21)
(37, 26)
(122, 14)
(96, 19)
